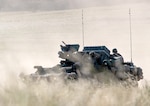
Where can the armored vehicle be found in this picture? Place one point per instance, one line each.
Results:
(91, 60)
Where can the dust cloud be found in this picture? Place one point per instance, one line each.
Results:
(33, 38)
(81, 92)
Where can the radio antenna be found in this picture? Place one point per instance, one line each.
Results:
(130, 33)
(82, 29)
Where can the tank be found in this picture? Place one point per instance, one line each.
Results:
(92, 60)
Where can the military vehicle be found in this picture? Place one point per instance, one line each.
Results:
(91, 60)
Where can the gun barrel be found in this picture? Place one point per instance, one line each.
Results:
(64, 43)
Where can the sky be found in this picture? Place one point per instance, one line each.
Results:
(46, 5)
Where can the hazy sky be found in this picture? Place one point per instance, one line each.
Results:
(41, 5)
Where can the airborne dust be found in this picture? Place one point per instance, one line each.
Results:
(33, 38)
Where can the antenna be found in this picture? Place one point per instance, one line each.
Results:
(82, 29)
(130, 33)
